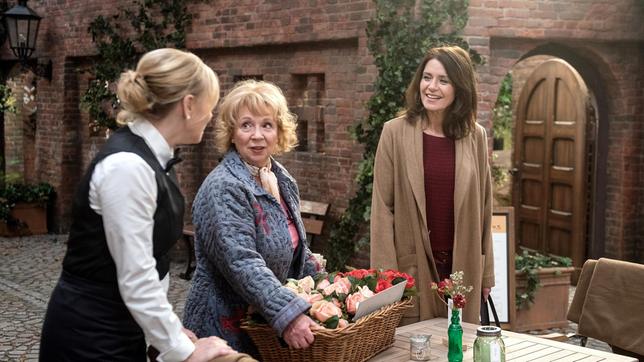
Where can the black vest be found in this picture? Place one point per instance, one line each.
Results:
(87, 253)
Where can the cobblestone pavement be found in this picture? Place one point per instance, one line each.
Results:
(29, 269)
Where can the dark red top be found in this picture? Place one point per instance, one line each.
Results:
(438, 162)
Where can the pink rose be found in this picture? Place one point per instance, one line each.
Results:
(311, 298)
(323, 284)
(346, 282)
(343, 280)
(340, 287)
(343, 323)
(329, 290)
(306, 284)
(352, 302)
(365, 291)
(336, 302)
(323, 310)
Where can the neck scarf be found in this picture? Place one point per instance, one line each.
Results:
(266, 177)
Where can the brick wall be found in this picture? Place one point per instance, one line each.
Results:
(316, 51)
(317, 55)
(603, 41)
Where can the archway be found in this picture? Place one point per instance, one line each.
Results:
(595, 76)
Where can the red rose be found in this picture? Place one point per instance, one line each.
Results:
(386, 274)
(411, 282)
(382, 285)
(459, 301)
(358, 273)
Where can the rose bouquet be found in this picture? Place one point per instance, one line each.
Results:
(334, 300)
(334, 297)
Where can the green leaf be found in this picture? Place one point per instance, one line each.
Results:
(332, 323)
(529, 262)
(116, 54)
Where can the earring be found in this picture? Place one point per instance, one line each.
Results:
(188, 117)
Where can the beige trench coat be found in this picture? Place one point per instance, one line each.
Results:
(399, 236)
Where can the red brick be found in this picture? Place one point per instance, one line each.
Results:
(285, 42)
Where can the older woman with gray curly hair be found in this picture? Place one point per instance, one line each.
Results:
(249, 236)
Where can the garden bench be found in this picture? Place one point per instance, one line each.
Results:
(313, 215)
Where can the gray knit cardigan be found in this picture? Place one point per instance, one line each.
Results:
(244, 254)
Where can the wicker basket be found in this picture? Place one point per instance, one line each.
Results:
(357, 342)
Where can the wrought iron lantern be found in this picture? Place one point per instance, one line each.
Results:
(22, 24)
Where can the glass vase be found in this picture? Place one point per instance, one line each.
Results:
(455, 338)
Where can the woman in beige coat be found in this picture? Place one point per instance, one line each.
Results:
(432, 176)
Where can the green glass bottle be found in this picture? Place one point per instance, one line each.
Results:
(455, 338)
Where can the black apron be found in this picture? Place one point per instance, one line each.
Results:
(86, 321)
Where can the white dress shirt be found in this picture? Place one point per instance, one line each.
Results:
(123, 190)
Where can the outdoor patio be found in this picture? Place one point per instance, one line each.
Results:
(29, 269)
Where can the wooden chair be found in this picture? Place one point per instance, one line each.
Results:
(607, 305)
(313, 215)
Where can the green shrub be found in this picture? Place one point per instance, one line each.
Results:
(529, 262)
(399, 35)
(16, 192)
(119, 40)
(502, 113)
(7, 100)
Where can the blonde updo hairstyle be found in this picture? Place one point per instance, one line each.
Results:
(260, 98)
(162, 78)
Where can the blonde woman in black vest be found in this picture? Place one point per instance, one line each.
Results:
(127, 215)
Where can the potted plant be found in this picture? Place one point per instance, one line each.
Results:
(7, 100)
(23, 208)
(542, 283)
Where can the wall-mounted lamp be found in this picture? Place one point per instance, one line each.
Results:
(22, 24)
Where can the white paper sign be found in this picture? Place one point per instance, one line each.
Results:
(501, 288)
(386, 297)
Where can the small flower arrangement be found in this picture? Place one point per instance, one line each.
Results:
(334, 297)
(453, 288)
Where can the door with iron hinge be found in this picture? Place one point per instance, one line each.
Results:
(550, 161)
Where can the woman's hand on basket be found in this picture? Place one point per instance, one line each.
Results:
(209, 348)
(298, 334)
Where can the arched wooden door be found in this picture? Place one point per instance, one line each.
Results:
(549, 161)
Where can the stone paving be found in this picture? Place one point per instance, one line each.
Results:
(29, 269)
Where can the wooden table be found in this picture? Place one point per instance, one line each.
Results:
(518, 347)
